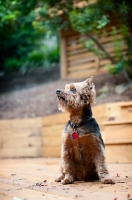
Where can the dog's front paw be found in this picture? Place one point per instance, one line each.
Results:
(108, 181)
(67, 180)
(59, 178)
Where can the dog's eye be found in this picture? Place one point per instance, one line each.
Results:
(73, 89)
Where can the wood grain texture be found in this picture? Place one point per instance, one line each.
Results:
(21, 138)
(18, 178)
(75, 56)
(63, 58)
(119, 153)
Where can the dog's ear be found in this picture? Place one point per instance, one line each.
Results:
(89, 81)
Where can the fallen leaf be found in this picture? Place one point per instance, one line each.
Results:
(42, 183)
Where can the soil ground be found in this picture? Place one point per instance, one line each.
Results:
(34, 94)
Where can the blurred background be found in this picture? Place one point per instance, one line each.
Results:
(45, 44)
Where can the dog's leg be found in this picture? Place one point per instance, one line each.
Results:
(67, 163)
(60, 177)
(102, 170)
(66, 175)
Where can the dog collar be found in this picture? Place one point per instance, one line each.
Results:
(74, 135)
(74, 126)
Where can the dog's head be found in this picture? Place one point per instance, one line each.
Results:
(76, 95)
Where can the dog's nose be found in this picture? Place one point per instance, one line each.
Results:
(58, 91)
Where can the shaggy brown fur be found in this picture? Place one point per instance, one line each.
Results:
(83, 158)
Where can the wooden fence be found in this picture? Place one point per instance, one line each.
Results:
(39, 137)
(78, 62)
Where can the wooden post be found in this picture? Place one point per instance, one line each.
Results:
(97, 63)
(63, 60)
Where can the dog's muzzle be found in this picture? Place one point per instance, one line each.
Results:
(59, 95)
(58, 91)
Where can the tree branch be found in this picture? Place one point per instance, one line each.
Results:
(101, 48)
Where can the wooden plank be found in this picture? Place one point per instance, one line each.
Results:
(126, 111)
(78, 56)
(63, 59)
(99, 115)
(73, 37)
(53, 130)
(48, 152)
(113, 111)
(60, 118)
(20, 138)
(25, 193)
(4, 197)
(21, 123)
(118, 133)
(118, 112)
(109, 39)
(103, 40)
(119, 153)
(86, 73)
(81, 67)
(52, 141)
(77, 46)
(21, 132)
(111, 48)
(85, 63)
(70, 33)
(126, 104)
(118, 122)
(37, 170)
(16, 142)
(105, 62)
(76, 52)
(78, 60)
(18, 152)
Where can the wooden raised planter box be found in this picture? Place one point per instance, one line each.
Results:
(20, 138)
(118, 141)
(41, 137)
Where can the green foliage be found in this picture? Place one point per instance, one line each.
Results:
(21, 34)
(11, 64)
(85, 20)
(23, 24)
(89, 44)
(36, 56)
(91, 20)
(115, 69)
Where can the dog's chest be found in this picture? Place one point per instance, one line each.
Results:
(85, 147)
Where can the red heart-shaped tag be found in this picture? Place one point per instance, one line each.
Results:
(74, 135)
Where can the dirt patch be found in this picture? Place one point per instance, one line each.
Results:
(39, 98)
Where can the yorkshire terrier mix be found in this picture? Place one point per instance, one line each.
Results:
(82, 152)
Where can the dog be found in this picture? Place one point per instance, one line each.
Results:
(82, 151)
